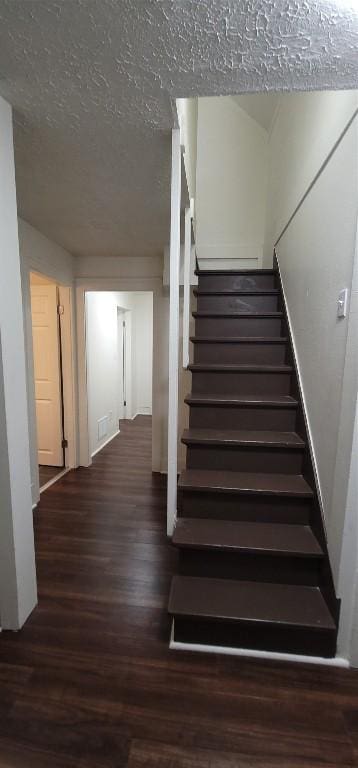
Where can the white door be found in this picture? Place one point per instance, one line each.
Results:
(46, 346)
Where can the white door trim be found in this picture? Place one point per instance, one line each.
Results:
(153, 284)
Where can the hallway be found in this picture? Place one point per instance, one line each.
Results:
(90, 681)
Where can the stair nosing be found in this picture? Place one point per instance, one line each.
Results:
(225, 584)
(238, 292)
(268, 550)
(230, 401)
(244, 488)
(272, 315)
(238, 339)
(235, 272)
(250, 367)
(187, 439)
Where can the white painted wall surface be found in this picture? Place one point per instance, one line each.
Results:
(18, 595)
(316, 256)
(305, 130)
(102, 365)
(39, 254)
(104, 362)
(188, 121)
(142, 346)
(232, 158)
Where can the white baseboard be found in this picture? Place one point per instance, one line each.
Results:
(176, 645)
(106, 443)
(142, 413)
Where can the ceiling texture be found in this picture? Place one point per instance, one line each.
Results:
(92, 84)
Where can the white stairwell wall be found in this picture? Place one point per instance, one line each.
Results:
(231, 182)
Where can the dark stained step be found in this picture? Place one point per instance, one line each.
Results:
(227, 303)
(235, 272)
(237, 367)
(236, 292)
(241, 378)
(248, 401)
(245, 483)
(235, 281)
(238, 325)
(244, 450)
(248, 551)
(238, 339)
(240, 351)
(243, 437)
(248, 614)
(255, 538)
(250, 601)
(238, 315)
(232, 411)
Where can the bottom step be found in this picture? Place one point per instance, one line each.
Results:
(245, 614)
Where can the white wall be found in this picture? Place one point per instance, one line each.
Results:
(142, 346)
(102, 365)
(305, 130)
(316, 256)
(230, 185)
(18, 594)
(39, 254)
(104, 362)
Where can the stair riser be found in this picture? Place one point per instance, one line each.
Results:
(241, 383)
(250, 507)
(229, 304)
(242, 326)
(236, 282)
(243, 459)
(267, 638)
(250, 567)
(211, 417)
(271, 354)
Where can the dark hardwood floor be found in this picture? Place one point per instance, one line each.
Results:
(48, 473)
(90, 681)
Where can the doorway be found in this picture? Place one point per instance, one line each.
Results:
(48, 367)
(119, 368)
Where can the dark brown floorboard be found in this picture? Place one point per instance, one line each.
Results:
(48, 473)
(90, 681)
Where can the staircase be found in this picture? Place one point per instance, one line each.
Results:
(253, 568)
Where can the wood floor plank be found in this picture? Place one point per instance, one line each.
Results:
(90, 682)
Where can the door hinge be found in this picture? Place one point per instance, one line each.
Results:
(60, 309)
(64, 443)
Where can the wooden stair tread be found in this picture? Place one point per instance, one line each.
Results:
(246, 537)
(248, 367)
(250, 602)
(236, 272)
(236, 292)
(211, 313)
(244, 482)
(246, 437)
(281, 401)
(238, 339)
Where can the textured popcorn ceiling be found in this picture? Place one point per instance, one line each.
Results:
(92, 83)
